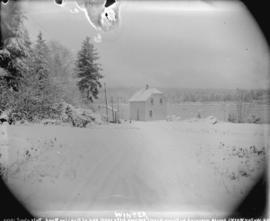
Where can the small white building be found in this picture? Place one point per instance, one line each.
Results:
(147, 104)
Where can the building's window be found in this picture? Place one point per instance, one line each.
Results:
(160, 101)
(150, 113)
(152, 101)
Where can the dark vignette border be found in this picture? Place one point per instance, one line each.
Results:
(255, 203)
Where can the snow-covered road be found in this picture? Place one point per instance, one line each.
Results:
(193, 167)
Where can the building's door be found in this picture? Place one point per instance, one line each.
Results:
(138, 114)
(151, 114)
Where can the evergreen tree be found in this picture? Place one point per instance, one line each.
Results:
(14, 47)
(38, 95)
(40, 63)
(88, 71)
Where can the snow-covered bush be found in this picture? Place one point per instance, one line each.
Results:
(78, 117)
(254, 119)
(212, 119)
(51, 122)
(173, 118)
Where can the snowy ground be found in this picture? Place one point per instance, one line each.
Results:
(191, 167)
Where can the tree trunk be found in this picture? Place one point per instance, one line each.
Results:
(1, 40)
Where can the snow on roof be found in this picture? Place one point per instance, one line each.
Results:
(144, 94)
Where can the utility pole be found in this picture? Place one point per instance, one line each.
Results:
(118, 111)
(113, 117)
(106, 102)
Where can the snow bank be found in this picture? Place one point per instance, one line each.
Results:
(173, 118)
(209, 119)
(159, 165)
(78, 117)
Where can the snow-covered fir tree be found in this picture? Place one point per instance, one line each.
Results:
(40, 64)
(88, 71)
(15, 45)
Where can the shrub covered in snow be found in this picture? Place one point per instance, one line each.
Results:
(51, 122)
(173, 118)
(212, 119)
(78, 117)
(62, 113)
(254, 119)
(7, 116)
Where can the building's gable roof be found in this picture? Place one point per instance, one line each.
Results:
(144, 94)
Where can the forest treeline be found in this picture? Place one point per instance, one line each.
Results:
(218, 95)
(179, 95)
(38, 77)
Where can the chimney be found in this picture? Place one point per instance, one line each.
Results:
(146, 86)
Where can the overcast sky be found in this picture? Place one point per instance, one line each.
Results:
(175, 44)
